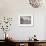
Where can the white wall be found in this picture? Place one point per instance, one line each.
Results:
(14, 8)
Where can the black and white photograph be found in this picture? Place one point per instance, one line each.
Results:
(26, 20)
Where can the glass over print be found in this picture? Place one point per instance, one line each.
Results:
(25, 19)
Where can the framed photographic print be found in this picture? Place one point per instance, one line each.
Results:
(25, 20)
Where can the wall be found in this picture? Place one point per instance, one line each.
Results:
(14, 8)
